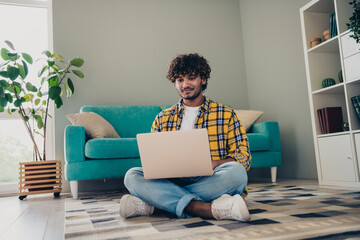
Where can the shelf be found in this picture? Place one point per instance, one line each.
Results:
(326, 60)
(333, 134)
(335, 89)
(356, 81)
(344, 33)
(329, 46)
(356, 131)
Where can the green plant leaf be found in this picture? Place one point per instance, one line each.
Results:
(47, 53)
(25, 68)
(28, 97)
(4, 74)
(52, 76)
(8, 97)
(42, 70)
(43, 80)
(17, 89)
(27, 58)
(13, 56)
(4, 63)
(56, 68)
(58, 102)
(67, 90)
(4, 83)
(17, 103)
(12, 72)
(44, 102)
(2, 93)
(31, 87)
(39, 93)
(4, 54)
(21, 71)
(2, 109)
(78, 73)
(10, 44)
(26, 118)
(53, 82)
(57, 56)
(51, 62)
(13, 110)
(39, 121)
(77, 62)
(3, 102)
(71, 85)
(37, 101)
(54, 92)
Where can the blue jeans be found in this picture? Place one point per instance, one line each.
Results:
(173, 195)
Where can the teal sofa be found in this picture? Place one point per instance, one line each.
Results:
(105, 158)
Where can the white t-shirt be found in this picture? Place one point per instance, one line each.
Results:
(189, 117)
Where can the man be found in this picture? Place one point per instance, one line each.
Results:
(217, 196)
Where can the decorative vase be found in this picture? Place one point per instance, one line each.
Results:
(40, 177)
(327, 82)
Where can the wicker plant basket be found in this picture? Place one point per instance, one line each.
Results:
(40, 177)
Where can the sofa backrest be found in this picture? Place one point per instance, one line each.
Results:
(127, 120)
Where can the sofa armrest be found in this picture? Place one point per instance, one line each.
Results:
(271, 130)
(74, 143)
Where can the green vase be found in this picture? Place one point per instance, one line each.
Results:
(327, 82)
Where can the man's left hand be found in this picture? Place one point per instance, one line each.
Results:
(216, 163)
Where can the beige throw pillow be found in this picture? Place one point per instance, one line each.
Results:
(95, 125)
(248, 117)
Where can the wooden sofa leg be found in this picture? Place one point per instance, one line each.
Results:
(74, 189)
(273, 174)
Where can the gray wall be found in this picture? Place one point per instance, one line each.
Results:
(127, 45)
(276, 79)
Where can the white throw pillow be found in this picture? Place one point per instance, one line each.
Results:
(248, 117)
(95, 125)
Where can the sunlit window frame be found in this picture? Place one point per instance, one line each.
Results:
(50, 146)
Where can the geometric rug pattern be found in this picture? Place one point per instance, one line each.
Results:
(277, 211)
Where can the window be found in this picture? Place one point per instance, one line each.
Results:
(27, 24)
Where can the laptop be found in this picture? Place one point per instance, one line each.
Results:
(175, 154)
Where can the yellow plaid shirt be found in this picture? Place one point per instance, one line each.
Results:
(227, 137)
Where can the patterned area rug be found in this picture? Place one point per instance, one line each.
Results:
(277, 212)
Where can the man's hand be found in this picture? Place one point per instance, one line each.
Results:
(221, 161)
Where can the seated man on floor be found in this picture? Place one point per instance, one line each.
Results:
(219, 196)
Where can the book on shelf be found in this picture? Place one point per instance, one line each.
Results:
(356, 104)
(333, 27)
(330, 119)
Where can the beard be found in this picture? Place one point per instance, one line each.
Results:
(190, 96)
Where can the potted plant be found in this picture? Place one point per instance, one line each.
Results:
(354, 24)
(31, 101)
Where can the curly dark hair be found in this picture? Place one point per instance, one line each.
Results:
(192, 64)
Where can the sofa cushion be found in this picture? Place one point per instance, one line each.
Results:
(111, 148)
(95, 125)
(127, 120)
(248, 117)
(258, 142)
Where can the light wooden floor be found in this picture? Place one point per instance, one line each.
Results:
(35, 218)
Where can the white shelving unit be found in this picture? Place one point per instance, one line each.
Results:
(337, 154)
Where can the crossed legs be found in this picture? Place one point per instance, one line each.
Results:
(189, 196)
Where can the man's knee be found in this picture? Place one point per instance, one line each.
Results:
(236, 175)
(131, 176)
